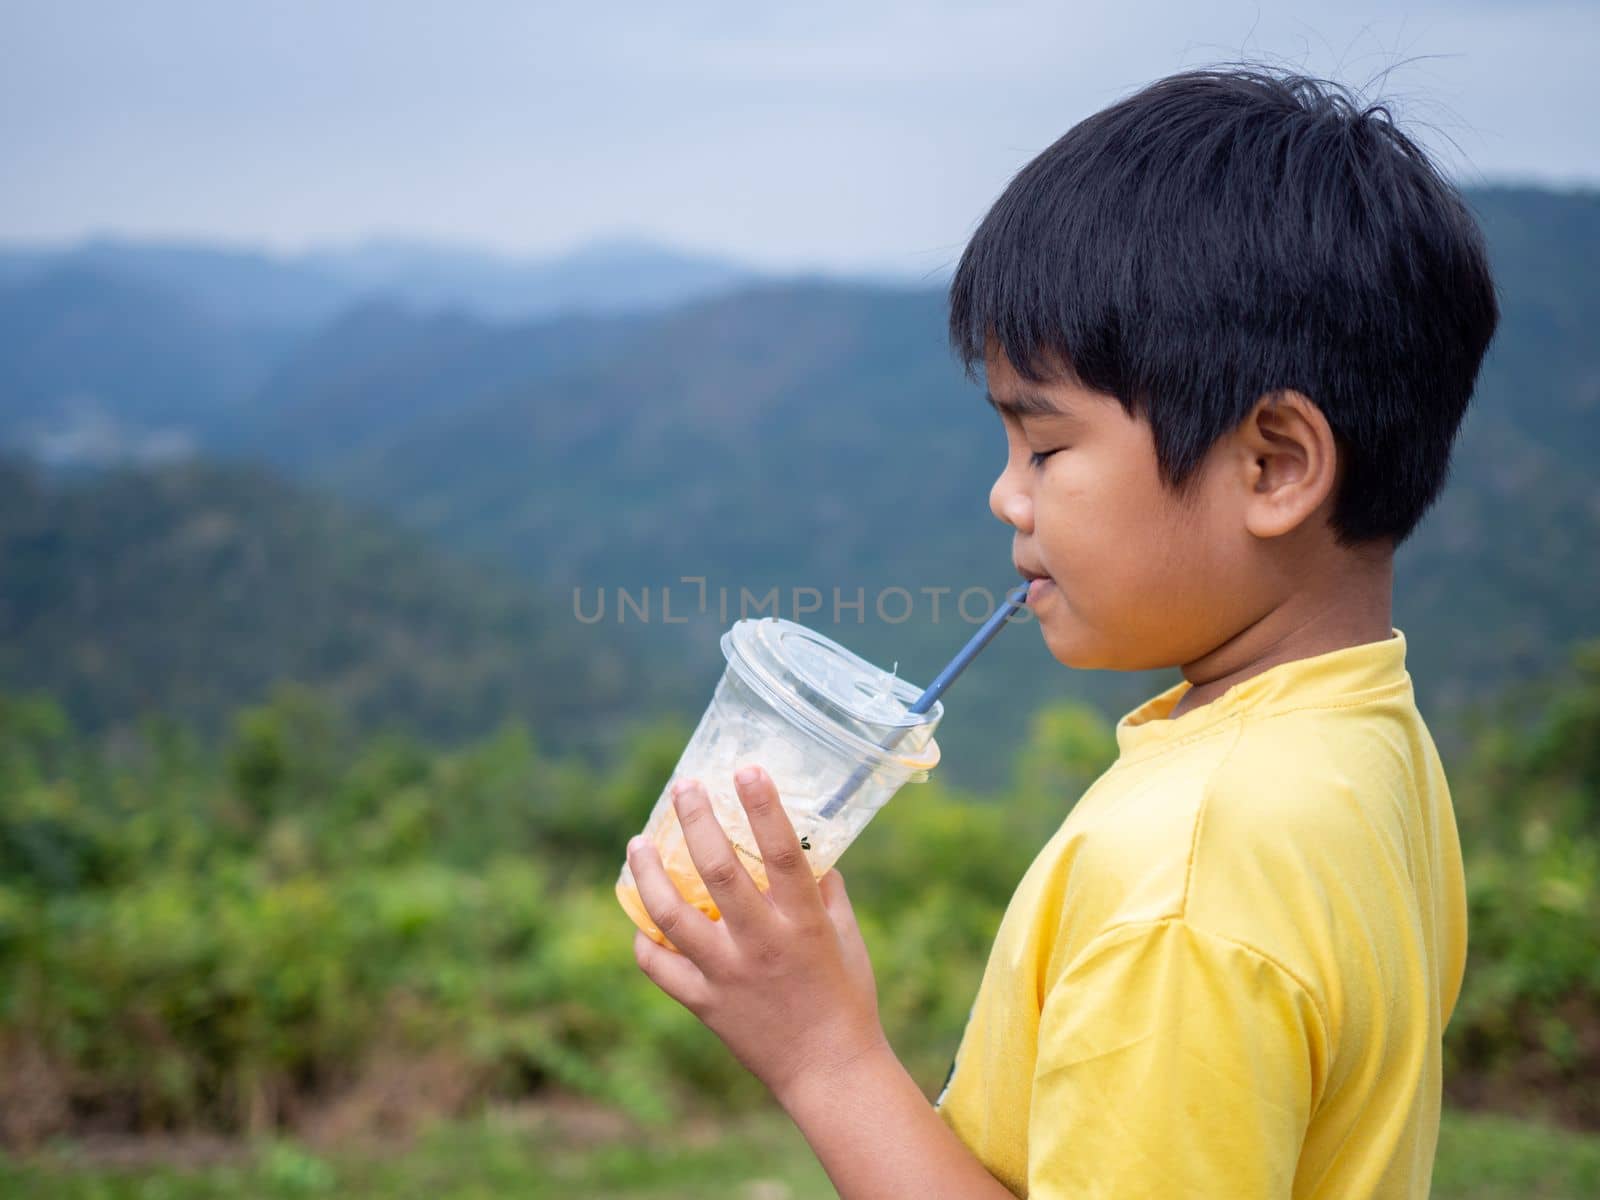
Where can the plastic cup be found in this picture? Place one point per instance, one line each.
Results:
(817, 718)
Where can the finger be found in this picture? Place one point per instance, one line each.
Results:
(672, 973)
(735, 893)
(789, 879)
(690, 930)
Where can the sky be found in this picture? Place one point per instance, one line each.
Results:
(830, 135)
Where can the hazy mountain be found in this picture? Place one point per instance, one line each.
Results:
(82, 347)
(114, 350)
(1543, 374)
(17, 264)
(303, 290)
(232, 285)
(193, 589)
(370, 375)
(817, 435)
(620, 275)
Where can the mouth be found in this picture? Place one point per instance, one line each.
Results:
(1039, 584)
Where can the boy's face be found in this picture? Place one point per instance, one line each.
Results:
(1138, 580)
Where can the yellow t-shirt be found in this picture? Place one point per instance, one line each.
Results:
(1228, 971)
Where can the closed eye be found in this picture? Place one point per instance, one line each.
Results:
(1036, 459)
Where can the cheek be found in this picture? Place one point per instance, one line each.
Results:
(1108, 531)
(1125, 551)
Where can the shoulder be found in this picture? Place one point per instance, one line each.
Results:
(1306, 789)
(1303, 842)
(1123, 856)
(1244, 834)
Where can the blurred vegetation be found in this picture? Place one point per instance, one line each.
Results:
(548, 1153)
(193, 589)
(1526, 1033)
(287, 920)
(311, 929)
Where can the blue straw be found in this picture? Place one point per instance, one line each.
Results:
(1017, 598)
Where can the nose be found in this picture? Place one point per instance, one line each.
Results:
(1009, 500)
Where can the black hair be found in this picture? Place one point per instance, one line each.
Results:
(1229, 232)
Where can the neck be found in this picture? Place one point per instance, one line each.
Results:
(1354, 608)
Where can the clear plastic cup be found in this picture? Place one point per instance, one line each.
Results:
(818, 718)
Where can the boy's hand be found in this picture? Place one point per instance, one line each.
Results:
(783, 978)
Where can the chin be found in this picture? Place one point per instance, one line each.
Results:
(1066, 650)
(1072, 644)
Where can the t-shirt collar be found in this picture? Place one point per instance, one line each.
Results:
(1302, 682)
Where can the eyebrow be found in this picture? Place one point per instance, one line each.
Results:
(1025, 403)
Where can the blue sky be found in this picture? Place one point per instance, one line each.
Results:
(830, 135)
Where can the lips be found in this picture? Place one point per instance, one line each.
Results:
(1038, 582)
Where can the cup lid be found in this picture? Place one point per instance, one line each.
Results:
(835, 695)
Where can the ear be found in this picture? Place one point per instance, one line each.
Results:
(1291, 463)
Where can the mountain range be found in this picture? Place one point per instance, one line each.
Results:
(759, 433)
(190, 589)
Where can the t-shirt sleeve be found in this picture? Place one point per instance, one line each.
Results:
(1171, 1062)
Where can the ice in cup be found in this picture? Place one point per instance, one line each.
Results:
(819, 719)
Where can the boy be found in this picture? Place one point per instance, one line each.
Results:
(1231, 325)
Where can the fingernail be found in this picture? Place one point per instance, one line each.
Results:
(745, 776)
(679, 788)
(635, 844)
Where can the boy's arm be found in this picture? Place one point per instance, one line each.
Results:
(879, 1138)
(784, 980)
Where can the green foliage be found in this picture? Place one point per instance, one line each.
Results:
(530, 1153)
(1527, 1029)
(188, 940)
(237, 939)
(191, 589)
(1487, 1157)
